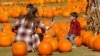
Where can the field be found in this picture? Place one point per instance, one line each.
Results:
(79, 51)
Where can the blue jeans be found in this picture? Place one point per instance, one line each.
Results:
(71, 38)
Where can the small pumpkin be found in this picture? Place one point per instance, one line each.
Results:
(78, 41)
(45, 48)
(54, 44)
(19, 49)
(64, 45)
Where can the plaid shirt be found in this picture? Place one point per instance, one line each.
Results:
(27, 33)
(75, 28)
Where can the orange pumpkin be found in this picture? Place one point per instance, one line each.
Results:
(45, 48)
(65, 45)
(7, 27)
(5, 39)
(19, 49)
(85, 36)
(59, 1)
(96, 44)
(15, 12)
(54, 44)
(46, 22)
(91, 40)
(12, 35)
(78, 41)
(47, 38)
(23, 11)
(52, 1)
(87, 40)
(38, 30)
(66, 14)
(4, 17)
(49, 13)
(82, 21)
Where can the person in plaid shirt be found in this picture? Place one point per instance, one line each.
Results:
(74, 28)
(26, 28)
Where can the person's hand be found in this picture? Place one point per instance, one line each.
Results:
(47, 27)
(52, 23)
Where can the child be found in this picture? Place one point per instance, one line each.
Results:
(74, 29)
(26, 28)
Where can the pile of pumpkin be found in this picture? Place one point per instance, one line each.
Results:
(54, 39)
(25, 2)
(78, 6)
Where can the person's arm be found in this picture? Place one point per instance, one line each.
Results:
(16, 25)
(78, 29)
(43, 27)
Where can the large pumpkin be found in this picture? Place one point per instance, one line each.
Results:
(64, 45)
(91, 40)
(54, 44)
(45, 48)
(47, 38)
(78, 41)
(19, 49)
(85, 36)
(96, 44)
(5, 39)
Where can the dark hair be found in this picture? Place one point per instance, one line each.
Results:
(74, 14)
(31, 15)
(29, 6)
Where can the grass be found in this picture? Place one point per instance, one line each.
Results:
(79, 51)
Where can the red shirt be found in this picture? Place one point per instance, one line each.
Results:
(75, 28)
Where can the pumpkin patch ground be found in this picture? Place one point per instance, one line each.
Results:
(79, 51)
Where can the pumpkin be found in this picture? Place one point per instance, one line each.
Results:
(78, 41)
(19, 49)
(46, 22)
(59, 1)
(5, 39)
(47, 38)
(15, 12)
(52, 1)
(45, 48)
(82, 21)
(4, 17)
(12, 35)
(66, 14)
(54, 44)
(7, 27)
(39, 30)
(64, 45)
(96, 44)
(85, 36)
(61, 35)
(49, 13)
(90, 41)
(23, 11)
(87, 40)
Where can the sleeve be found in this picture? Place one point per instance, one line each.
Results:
(78, 29)
(16, 25)
(41, 25)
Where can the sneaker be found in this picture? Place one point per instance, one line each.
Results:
(74, 46)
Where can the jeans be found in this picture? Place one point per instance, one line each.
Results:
(71, 38)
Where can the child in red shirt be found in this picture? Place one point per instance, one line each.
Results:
(74, 28)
